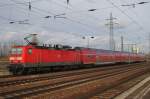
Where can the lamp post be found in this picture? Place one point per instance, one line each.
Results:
(88, 40)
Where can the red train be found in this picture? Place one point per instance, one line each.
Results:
(30, 57)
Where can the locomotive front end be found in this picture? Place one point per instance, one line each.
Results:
(16, 59)
(16, 55)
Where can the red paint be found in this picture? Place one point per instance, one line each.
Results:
(84, 55)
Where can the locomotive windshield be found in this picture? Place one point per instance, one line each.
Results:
(16, 51)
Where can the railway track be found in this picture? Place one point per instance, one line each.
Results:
(90, 88)
(114, 91)
(30, 88)
(12, 80)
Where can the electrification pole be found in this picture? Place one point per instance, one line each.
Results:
(149, 44)
(111, 34)
(122, 44)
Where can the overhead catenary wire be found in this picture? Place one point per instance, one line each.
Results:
(80, 11)
(38, 9)
(53, 14)
(141, 28)
(44, 11)
(80, 22)
(35, 7)
(134, 4)
(132, 19)
(76, 21)
(41, 11)
(11, 4)
(123, 12)
(25, 10)
(87, 10)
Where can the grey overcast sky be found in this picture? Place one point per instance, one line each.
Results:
(133, 22)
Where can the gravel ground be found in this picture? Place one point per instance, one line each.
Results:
(111, 93)
(85, 90)
(143, 92)
(3, 69)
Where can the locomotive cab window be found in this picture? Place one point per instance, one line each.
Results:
(30, 51)
(19, 50)
(13, 51)
(16, 51)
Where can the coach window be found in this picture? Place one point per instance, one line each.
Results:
(30, 51)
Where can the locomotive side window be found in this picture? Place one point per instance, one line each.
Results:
(30, 51)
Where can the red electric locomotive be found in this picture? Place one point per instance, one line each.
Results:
(24, 59)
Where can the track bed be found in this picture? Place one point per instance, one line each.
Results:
(77, 84)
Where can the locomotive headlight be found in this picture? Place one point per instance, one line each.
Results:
(19, 58)
(11, 58)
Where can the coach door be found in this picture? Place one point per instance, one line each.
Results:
(38, 57)
(78, 60)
